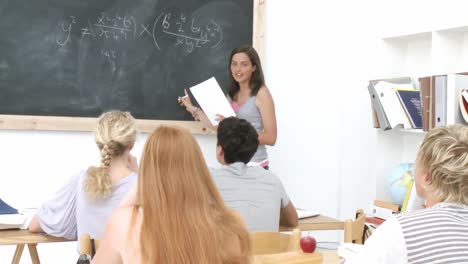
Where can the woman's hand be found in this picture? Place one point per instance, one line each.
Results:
(185, 100)
(219, 117)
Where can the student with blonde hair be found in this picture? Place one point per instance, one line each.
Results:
(439, 233)
(87, 200)
(178, 215)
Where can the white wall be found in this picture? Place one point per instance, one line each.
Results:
(319, 56)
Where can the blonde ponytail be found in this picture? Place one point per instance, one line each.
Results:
(114, 133)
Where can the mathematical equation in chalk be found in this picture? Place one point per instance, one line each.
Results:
(181, 31)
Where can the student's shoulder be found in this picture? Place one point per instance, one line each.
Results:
(121, 219)
(265, 175)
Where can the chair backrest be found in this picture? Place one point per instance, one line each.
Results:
(88, 246)
(354, 229)
(275, 242)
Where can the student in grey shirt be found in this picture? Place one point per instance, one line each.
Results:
(86, 201)
(257, 194)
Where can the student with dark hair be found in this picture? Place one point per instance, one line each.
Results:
(257, 194)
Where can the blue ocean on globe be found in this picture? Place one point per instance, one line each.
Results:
(398, 182)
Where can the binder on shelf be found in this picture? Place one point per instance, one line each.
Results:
(440, 112)
(411, 102)
(464, 104)
(391, 104)
(455, 84)
(375, 118)
(427, 88)
(382, 118)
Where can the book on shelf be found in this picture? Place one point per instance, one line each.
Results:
(440, 104)
(464, 104)
(391, 104)
(375, 117)
(427, 88)
(377, 107)
(455, 84)
(411, 102)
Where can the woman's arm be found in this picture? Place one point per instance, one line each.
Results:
(34, 225)
(288, 216)
(266, 106)
(57, 216)
(196, 112)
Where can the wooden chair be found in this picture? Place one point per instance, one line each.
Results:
(275, 242)
(354, 229)
(88, 245)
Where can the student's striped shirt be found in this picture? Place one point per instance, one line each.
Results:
(436, 235)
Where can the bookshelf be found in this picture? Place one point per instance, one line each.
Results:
(424, 53)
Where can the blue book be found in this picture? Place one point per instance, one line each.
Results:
(6, 209)
(411, 102)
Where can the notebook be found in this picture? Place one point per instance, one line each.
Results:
(301, 213)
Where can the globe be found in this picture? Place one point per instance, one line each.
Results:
(398, 181)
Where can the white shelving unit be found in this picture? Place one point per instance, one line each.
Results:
(425, 53)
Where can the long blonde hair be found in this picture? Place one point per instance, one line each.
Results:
(184, 217)
(444, 155)
(114, 133)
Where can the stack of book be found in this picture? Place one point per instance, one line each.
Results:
(10, 218)
(440, 100)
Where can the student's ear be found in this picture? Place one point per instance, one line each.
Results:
(219, 151)
(427, 177)
(130, 147)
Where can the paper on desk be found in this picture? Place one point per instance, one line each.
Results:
(212, 100)
(301, 213)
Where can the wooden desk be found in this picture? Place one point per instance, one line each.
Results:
(319, 222)
(22, 237)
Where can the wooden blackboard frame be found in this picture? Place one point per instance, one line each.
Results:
(62, 123)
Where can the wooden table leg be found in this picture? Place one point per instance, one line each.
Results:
(18, 253)
(33, 252)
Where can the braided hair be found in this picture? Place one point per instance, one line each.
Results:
(114, 133)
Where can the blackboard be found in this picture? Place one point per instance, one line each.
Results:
(78, 58)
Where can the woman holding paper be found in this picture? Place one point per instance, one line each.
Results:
(250, 99)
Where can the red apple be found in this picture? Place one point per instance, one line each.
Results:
(308, 244)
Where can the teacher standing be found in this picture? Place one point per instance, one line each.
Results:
(250, 99)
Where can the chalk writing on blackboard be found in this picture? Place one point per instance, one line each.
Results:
(187, 33)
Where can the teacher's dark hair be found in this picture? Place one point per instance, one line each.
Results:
(256, 81)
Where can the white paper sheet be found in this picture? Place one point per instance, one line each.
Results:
(212, 100)
(301, 213)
